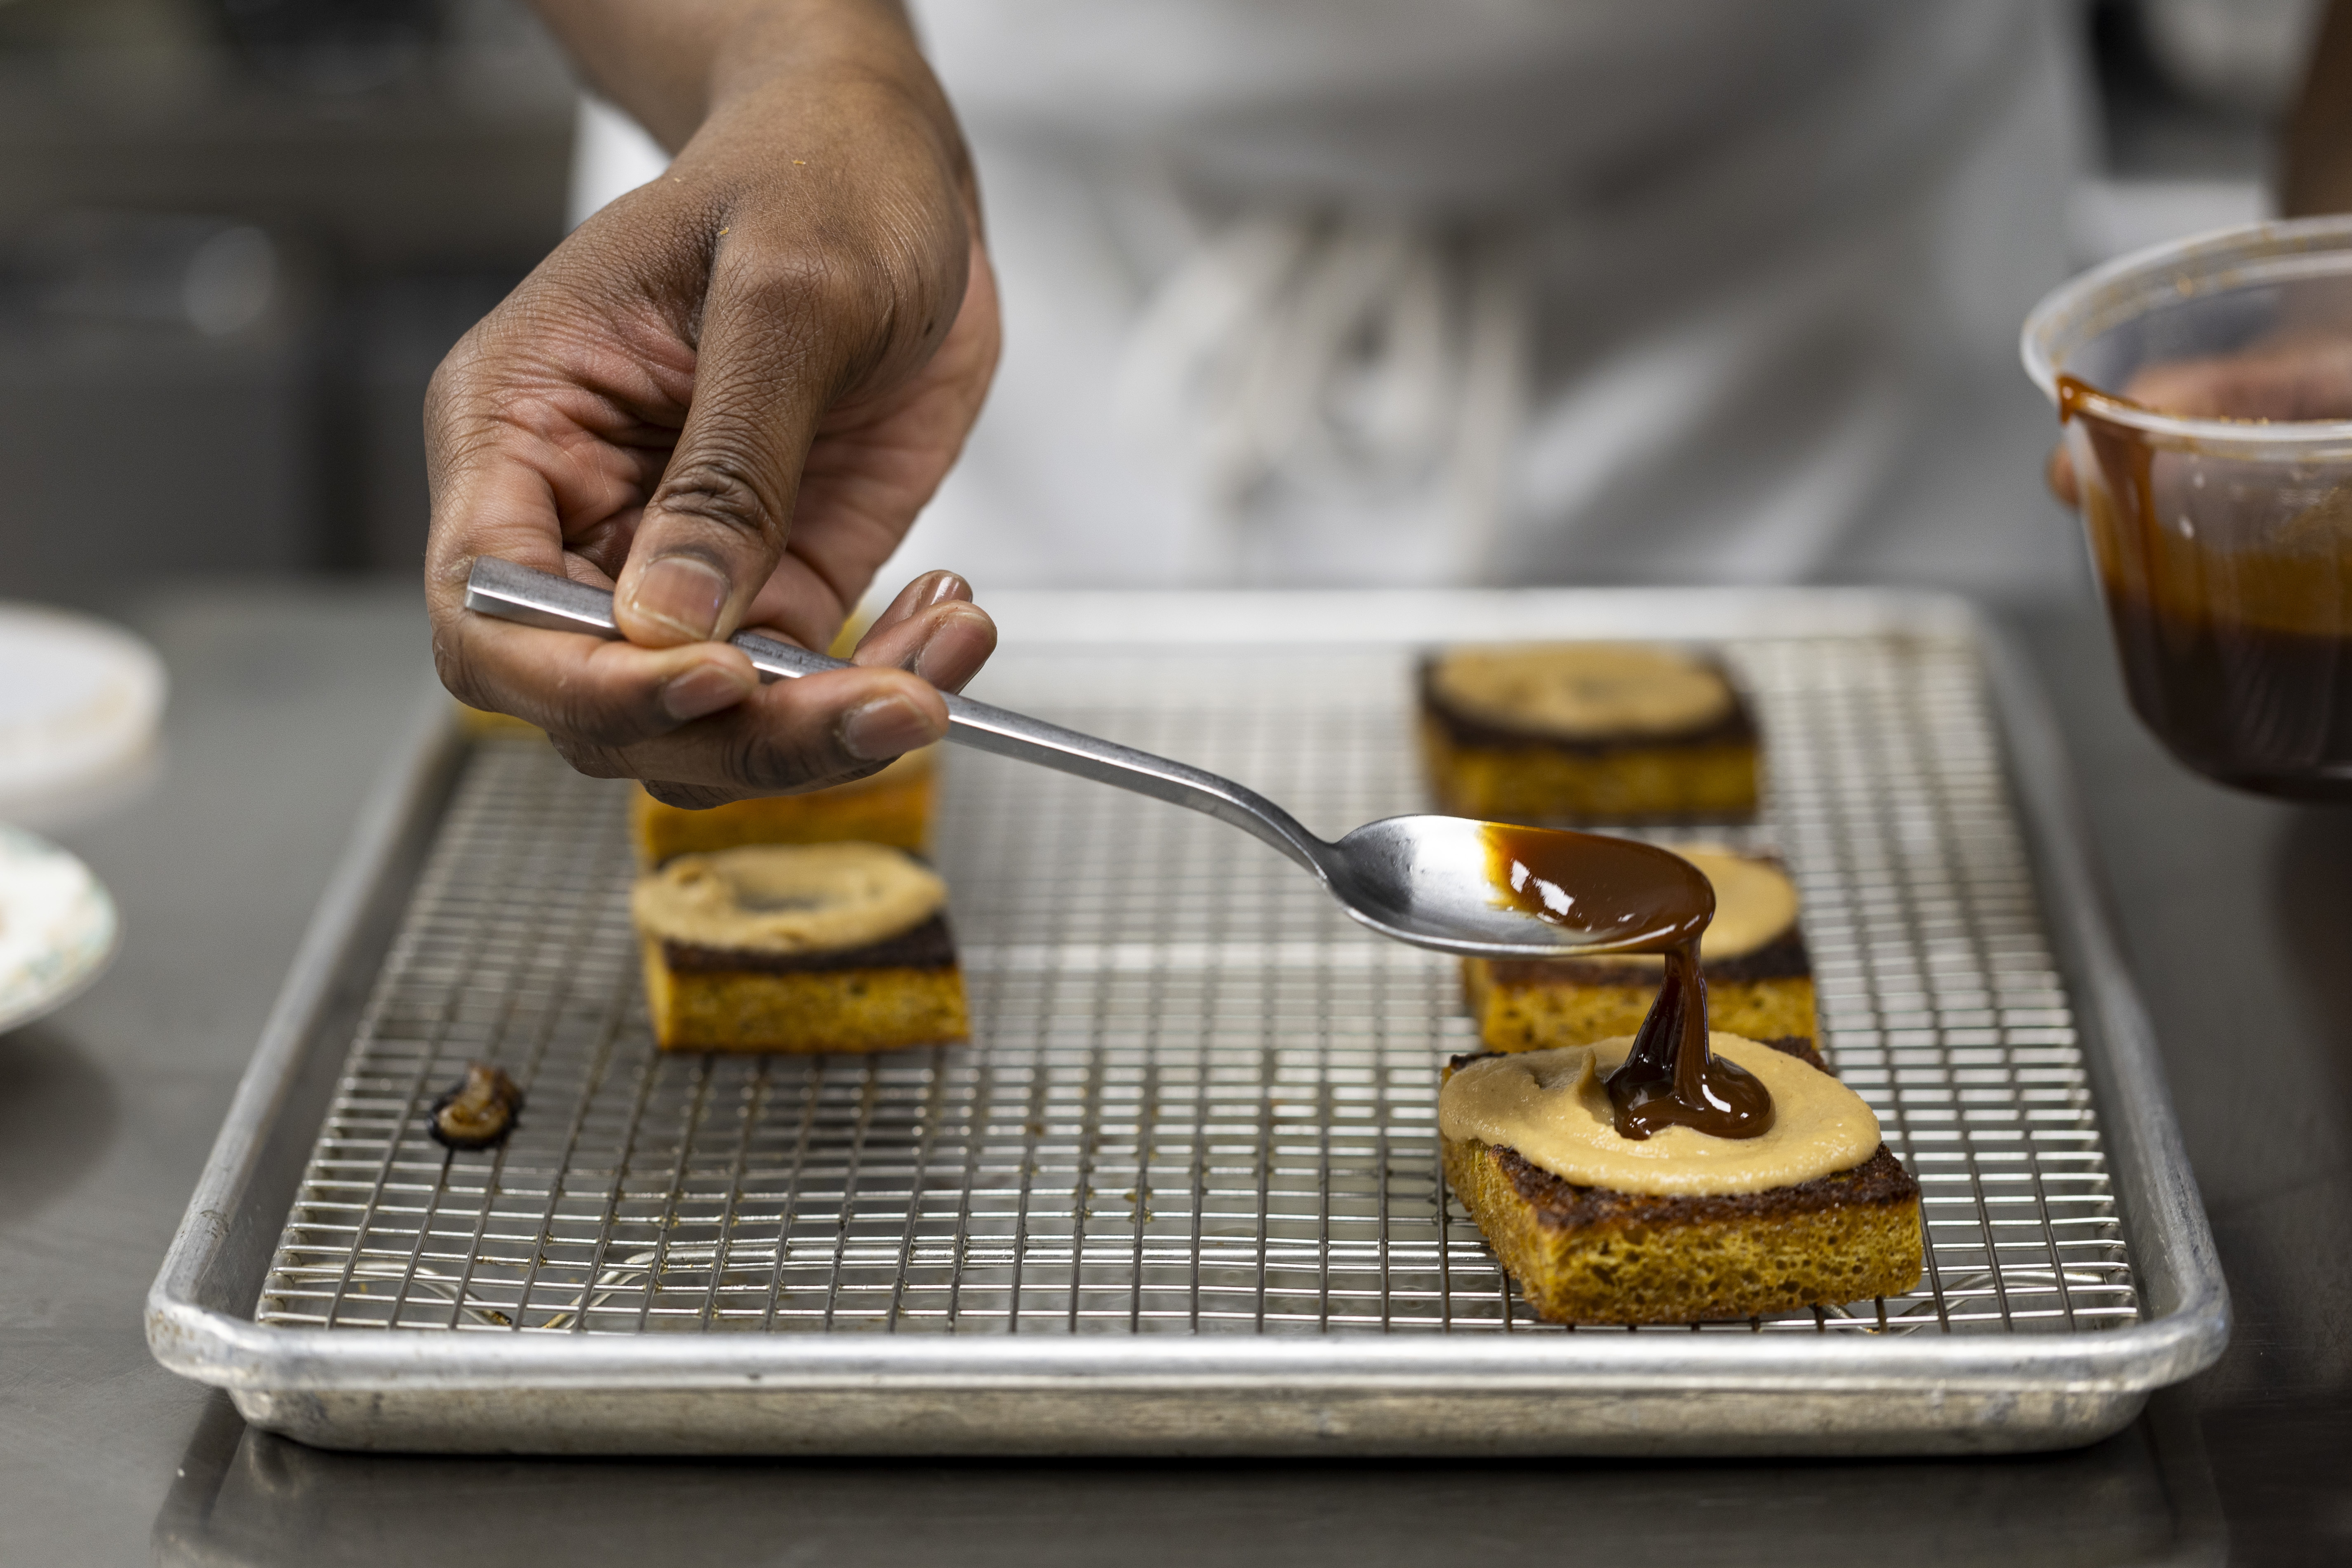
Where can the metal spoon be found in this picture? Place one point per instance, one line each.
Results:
(1443, 882)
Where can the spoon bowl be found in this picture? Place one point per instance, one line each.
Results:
(1447, 882)
(1480, 888)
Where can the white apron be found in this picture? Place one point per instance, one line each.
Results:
(1394, 292)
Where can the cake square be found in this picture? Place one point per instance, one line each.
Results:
(906, 991)
(800, 949)
(1587, 731)
(1586, 1255)
(1593, 1255)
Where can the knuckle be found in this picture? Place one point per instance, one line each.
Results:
(687, 797)
(851, 775)
(594, 721)
(851, 303)
(457, 671)
(816, 281)
(596, 762)
(472, 680)
(773, 764)
(720, 483)
(448, 381)
(594, 725)
(453, 374)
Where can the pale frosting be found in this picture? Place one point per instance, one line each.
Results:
(1552, 1107)
(1584, 690)
(787, 897)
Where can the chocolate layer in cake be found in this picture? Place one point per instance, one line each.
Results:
(1782, 958)
(1880, 1181)
(927, 946)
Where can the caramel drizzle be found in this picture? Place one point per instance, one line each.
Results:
(1671, 1078)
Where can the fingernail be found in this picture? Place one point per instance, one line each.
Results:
(885, 726)
(947, 587)
(930, 660)
(704, 690)
(682, 592)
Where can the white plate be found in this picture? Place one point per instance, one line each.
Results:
(58, 927)
(81, 701)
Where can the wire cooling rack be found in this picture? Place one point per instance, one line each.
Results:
(1198, 1099)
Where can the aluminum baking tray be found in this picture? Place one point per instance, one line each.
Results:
(1181, 1193)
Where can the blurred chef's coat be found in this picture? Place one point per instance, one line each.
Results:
(1388, 292)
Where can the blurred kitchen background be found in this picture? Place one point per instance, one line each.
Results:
(236, 236)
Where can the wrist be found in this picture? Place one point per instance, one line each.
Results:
(822, 82)
(671, 64)
(826, 51)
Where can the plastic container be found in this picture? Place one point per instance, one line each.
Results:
(2206, 390)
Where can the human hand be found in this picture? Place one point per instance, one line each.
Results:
(726, 396)
(2304, 377)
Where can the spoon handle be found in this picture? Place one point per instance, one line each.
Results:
(534, 598)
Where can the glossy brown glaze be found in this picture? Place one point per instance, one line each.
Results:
(477, 1111)
(1644, 899)
(2238, 660)
(2261, 709)
(1631, 897)
(1670, 1078)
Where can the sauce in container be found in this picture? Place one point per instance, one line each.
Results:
(2230, 600)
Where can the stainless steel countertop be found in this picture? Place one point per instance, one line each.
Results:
(2236, 913)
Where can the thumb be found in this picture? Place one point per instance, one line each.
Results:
(715, 526)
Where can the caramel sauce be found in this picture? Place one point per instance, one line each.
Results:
(1634, 897)
(477, 1111)
(2237, 655)
(1639, 898)
(1670, 1078)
